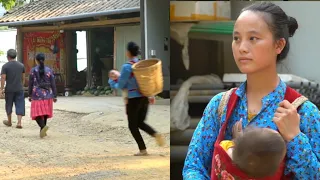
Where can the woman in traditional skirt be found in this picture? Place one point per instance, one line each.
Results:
(42, 93)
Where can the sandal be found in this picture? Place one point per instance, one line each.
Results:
(19, 127)
(159, 140)
(43, 132)
(6, 122)
(141, 153)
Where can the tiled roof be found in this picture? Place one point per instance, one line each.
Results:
(44, 9)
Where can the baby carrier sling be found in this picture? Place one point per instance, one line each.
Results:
(222, 166)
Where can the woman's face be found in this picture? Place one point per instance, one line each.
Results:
(253, 46)
(128, 54)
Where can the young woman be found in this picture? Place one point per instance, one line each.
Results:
(260, 40)
(42, 92)
(137, 105)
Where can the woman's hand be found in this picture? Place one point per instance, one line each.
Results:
(30, 99)
(237, 129)
(55, 100)
(287, 120)
(152, 100)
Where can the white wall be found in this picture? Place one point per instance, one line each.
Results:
(8, 41)
(123, 35)
(82, 50)
(304, 57)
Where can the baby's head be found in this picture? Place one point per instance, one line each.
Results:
(114, 74)
(259, 152)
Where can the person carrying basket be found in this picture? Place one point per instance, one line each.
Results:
(137, 104)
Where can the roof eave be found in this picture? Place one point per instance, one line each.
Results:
(71, 17)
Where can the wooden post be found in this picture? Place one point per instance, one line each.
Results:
(68, 61)
(19, 45)
(89, 57)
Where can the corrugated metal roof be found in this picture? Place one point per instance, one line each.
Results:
(44, 9)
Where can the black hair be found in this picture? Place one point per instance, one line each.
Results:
(281, 25)
(40, 58)
(12, 53)
(133, 48)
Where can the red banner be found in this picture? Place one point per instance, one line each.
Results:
(49, 43)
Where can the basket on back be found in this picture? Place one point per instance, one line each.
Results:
(148, 74)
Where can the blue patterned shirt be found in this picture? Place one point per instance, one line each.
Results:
(127, 81)
(303, 152)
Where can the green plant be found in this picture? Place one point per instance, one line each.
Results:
(4, 28)
(9, 4)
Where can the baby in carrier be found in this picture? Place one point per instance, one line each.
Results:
(113, 75)
(258, 152)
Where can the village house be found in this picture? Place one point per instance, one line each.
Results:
(50, 26)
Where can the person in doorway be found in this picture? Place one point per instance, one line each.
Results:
(260, 40)
(13, 75)
(137, 105)
(97, 67)
(42, 93)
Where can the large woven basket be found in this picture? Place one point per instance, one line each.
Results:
(149, 76)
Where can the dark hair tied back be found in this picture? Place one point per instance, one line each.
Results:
(281, 25)
(292, 25)
(40, 58)
(133, 48)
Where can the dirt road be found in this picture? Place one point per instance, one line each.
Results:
(90, 143)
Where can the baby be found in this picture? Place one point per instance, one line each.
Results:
(114, 75)
(256, 151)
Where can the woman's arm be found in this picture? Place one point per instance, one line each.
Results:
(30, 85)
(53, 84)
(124, 76)
(112, 83)
(197, 165)
(303, 152)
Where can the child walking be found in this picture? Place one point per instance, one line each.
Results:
(42, 93)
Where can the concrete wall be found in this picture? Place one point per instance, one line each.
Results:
(155, 33)
(303, 58)
(122, 36)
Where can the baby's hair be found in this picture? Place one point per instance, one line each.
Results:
(258, 152)
(113, 70)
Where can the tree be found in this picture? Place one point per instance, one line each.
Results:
(9, 4)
